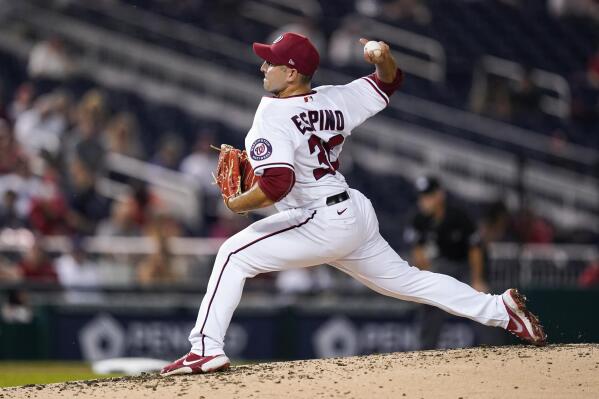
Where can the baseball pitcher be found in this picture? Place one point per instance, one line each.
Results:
(291, 160)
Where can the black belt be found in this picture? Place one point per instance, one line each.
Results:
(335, 199)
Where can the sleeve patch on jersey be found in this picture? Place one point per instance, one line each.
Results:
(260, 150)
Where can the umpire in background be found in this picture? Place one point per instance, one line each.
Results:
(444, 240)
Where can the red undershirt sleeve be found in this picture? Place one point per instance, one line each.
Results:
(276, 183)
(388, 88)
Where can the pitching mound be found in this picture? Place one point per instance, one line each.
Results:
(557, 371)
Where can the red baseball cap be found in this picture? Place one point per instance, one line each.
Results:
(290, 49)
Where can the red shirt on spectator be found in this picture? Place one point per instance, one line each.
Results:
(42, 272)
(590, 276)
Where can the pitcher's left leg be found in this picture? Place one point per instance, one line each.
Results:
(379, 267)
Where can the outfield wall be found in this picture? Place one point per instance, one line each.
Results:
(278, 331)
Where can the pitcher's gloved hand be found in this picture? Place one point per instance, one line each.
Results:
(234, 173)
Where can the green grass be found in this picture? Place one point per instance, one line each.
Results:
(22, 373)
(15, 373)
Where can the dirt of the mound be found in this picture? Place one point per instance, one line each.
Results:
(564, 371)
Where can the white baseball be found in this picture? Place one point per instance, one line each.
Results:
(373, 48)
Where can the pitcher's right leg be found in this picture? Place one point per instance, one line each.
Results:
(271, 244)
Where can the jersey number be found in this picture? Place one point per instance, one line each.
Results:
(324, 154)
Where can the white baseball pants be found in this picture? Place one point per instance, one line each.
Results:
(346, 236)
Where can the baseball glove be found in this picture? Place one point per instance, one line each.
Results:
(234, 173)
(248, 178)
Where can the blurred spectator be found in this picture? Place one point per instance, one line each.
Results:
(86, 206)
(199, 167)
(25, 185)
(41, 127)
(36, 266)
(22, 101)
(49, 213)
(8, 149)
(226, 223)
(590, 276)
(201, 163)
(3, 110)
(578, 8)
(559, 140)
(170, 148)
(76, 271)
(9, 271)
(157, 268)
(144, 203)
(585, 96)
(16, 308)
(304, 280)
(9, 217)
(343, 46)
(369, 8)
(295, 281)
(93, 104)
(396, 10)
(525, 99)
(48, 59)
(49, 216)
(163, 224)
(490, 95)
(532, 229)
(84, 141)
(496, 224)
(85, 145)
(122, 222)
(122, 135)
(406, 10)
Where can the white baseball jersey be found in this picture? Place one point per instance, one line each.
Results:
(306, 134)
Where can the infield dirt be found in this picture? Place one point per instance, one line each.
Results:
(555, 371)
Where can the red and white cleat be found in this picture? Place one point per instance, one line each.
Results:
(523, 323)
(196, 364)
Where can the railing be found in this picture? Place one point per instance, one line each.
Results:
(433, 152)
(477, 173)
(116, 77)
(20, 240)
(557, 104)
(429, 64)
(181, 197)
(139, 55)
(115, 259)
(483, 127)
(547, 266)
(572, 188)
(178, 195)
(510, 264)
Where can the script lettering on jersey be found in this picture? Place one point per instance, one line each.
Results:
(324, 119)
